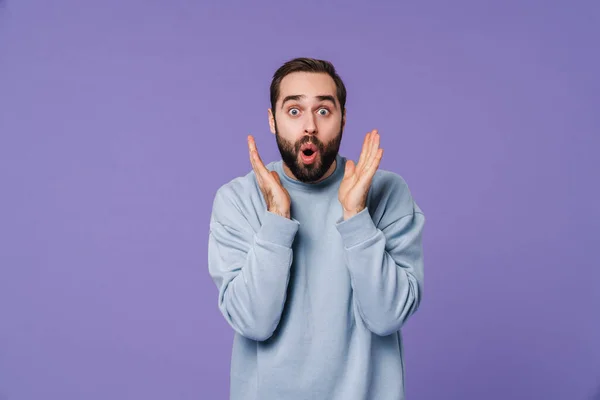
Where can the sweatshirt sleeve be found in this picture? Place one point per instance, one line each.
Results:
(386, 262)
(250, 268)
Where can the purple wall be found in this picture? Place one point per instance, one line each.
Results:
(115, 116)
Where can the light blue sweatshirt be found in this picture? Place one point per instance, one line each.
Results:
(317, 302)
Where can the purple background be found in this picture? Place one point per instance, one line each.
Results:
(120, 119)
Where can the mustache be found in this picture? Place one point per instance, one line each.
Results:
(309, 139)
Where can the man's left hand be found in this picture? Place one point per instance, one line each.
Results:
(357, 179)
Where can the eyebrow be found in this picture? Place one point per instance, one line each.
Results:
(296, 97)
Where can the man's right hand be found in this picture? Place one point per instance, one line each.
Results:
(276, 196)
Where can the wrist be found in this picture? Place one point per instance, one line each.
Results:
(351, 213)
(281, 213)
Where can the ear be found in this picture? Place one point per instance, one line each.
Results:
(271, 121)
(344, 119)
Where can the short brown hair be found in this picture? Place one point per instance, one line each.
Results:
(305, 64)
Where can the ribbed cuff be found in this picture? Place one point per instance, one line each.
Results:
(357, 228)
(277, 229)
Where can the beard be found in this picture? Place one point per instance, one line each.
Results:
(290, 153)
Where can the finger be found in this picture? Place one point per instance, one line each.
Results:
(369, 172)
(251, 147)
(373, 163)
(349, 169)
(255, 156)
(373, 147)
(259, 167)
(363, 152)
(377, 161)
(254, 161)
(251, 150)
(373, 142)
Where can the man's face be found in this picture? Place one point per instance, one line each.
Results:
(308, 118)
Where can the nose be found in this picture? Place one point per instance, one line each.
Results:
(310, 125)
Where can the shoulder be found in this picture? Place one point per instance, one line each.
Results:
(236, 190)
(242, 187)
(390, 188)
(390, 197)
(239, 198)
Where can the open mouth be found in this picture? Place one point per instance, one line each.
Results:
(308, 153)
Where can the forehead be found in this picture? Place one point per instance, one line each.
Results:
(309, 84)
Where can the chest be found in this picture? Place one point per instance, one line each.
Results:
(319, 261)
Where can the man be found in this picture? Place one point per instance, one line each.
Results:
(318, 260)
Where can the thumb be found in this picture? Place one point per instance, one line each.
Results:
(349, 170)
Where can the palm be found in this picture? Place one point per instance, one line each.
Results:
(351, 191)
(355, 185)
(276, 196)
(280, 195)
